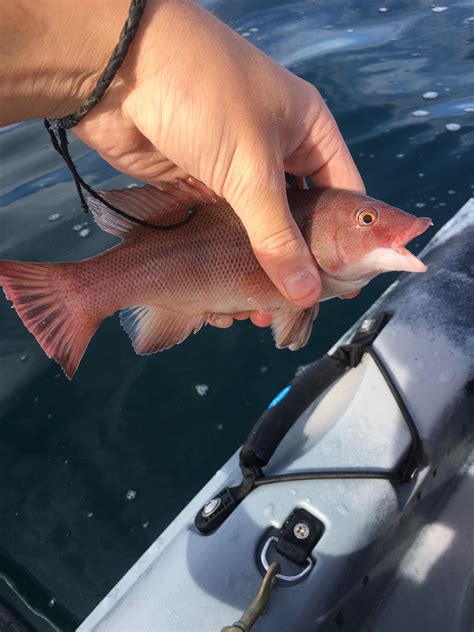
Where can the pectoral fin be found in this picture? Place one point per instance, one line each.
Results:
(152, 328)
(292, 327)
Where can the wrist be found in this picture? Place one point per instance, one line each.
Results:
(52, 53)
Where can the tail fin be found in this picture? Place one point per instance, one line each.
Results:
(53, 315)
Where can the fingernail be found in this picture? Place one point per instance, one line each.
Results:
(302, 285)
(223, 321)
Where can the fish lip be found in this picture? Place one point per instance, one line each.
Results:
(417, 228)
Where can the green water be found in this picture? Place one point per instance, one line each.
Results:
(70, 451)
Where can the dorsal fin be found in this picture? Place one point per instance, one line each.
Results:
(162, 206)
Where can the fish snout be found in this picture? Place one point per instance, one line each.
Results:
(417, 228)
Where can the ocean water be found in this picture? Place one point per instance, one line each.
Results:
(92, 470)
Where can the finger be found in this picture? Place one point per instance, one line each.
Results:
(262, 205)
(261, 319)
(337, 168)
(350, 294)
(221, 321)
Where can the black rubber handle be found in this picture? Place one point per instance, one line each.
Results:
(287, 407)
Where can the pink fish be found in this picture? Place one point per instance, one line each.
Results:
(168, 284)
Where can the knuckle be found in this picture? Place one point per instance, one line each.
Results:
(279, 246)
(311, 91)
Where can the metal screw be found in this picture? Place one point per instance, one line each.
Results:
(210, 507)
(301, 530)
(366, 324)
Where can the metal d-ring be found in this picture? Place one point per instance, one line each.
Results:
(286, 578)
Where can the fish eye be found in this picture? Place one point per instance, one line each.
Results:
(367, 216)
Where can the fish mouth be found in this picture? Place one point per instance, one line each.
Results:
(404, 260)
(417, 228)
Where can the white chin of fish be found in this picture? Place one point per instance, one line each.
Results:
(394, 259)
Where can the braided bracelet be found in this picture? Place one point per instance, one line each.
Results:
(57, 127)
(137, 7)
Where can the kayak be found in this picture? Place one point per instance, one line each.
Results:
(353, 490)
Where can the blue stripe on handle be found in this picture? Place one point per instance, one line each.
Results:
(281, 395)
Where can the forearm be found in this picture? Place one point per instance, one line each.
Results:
(52, 53)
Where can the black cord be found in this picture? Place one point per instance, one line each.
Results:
(60, 143)
(349, 355)
(329, 475)
(404, 475)
(415, 448)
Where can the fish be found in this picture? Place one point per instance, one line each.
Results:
(168, 284)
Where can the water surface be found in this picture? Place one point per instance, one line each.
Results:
(92, 470)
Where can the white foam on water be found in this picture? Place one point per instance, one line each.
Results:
(420, 113)
(202, 389)
(439, 9)
(84, 232)
(453, 127)
(431, 94)
(131, 494)
(54, 217)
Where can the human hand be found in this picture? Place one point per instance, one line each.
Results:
(194, 98)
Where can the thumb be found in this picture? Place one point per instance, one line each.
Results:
(262, 205)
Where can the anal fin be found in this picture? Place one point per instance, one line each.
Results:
(292, 327)
(152, 328)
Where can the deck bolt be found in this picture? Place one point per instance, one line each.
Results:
(367, 324)
(210, 507)
(301, 530)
